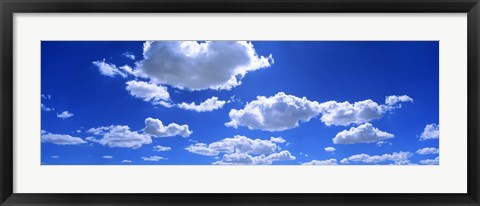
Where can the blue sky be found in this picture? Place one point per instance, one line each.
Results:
(236, 103)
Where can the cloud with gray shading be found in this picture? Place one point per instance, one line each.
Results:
(61, 139)
(241, 150)
(431, 131)
(275, 113)
(156, 128)
(196, 65)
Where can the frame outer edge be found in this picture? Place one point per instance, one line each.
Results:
(6, 101)
(473, 25)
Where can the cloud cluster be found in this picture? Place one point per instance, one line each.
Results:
(122, 136)
(147, 91)
(242, 150)
(64, 115)
(275, 113)
(398, 158)
(345, 113)
(200, 65)
(208, 105)
(282, 112)
(61, 139)
(321, 162)
(156, 128)
(431, 131)
(427, 150)
(364, 133)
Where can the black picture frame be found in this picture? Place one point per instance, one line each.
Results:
(9, 7)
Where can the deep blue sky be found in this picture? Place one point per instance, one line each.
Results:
(318, 70)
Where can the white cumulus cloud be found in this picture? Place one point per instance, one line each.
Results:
(395, 100)
(61, 139)
(364, 133)
(321, 162)
(107, 157)
(119, 136)
(345, 113)
(275, 113)
(156, 128)
(64, 115)
(431, 131)
(147, 91)
(108, 69)
(208, 105)
(200, 65)
(399, 158)
(126, 161)
(243, 150)
(427, 150)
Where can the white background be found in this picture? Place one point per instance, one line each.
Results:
(449, 177)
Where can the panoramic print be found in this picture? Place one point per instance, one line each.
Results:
(307, 103)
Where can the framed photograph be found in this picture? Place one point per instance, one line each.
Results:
(239, 102)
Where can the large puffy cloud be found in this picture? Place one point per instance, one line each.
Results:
(156, 128)
(208, 105)
(399, 158)
(282, 111)
(321, 162)
(364, 133)
(427, 150)
(243, 150)
(61, 139)
(147, 91)
(431, 131)
(200, 65)
(246, 159)
(120, 136)
(275, 113)
(435, 161)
